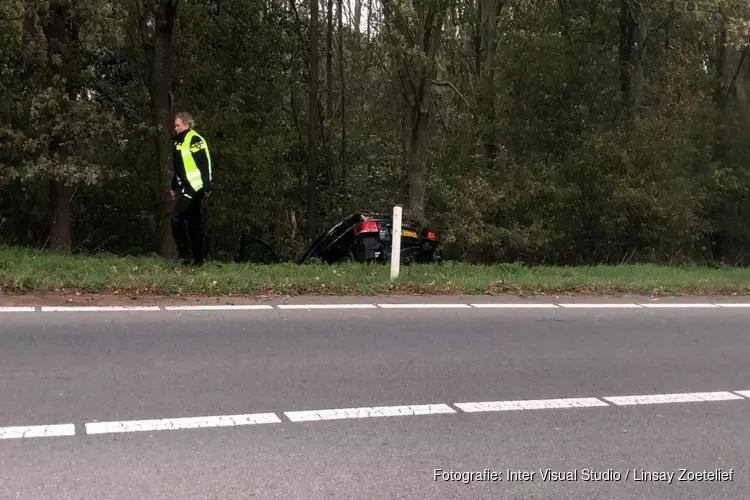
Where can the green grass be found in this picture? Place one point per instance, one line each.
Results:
(28, 271)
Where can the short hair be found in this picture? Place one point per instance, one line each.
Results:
(186, 118)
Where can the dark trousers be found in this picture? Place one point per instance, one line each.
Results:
(188, 210)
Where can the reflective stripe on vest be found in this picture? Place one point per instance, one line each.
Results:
(186, 150)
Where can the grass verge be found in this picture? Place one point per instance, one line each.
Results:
(30, 271)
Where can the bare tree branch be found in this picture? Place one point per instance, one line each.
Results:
(454, 88)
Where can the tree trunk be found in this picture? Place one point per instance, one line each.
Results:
(626, 47)
(490, 11)
(329, 65)
(328, 128)
(55, 24)
(639, 70)
(160, 80)
(721, 96)
(358, 16)
(59, 227)
(431, 32)
(312, 132)
(342, 86)
(417, 159)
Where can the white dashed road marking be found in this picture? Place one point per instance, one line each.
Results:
(181, 423)
(447, 305)
(687, 397)
(17, 309)
(377, 411)
(368, 412)
(239, 307)
(37, 431)
(500, 305)
(601, 306)
(678, 305)
(326, 306)
(98, 308)
(533, 404)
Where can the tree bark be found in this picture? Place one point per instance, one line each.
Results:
(329, 64)
(417, 81)
(312, 132)
(56, 26)
(626, 47)
(721, 95)
(357, 16)
(327, 127)
(160, 81)
(60, 226)
(342, 85)
(490, 11)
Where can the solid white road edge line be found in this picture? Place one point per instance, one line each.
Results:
(98, 308)
(181, 423)
(326, 306)
(597, 305)
(530, 404)
(31, 431)
(678, 305)
(368, 412)
(513, 306)
(447, 305)
(238, 307)
(686, 397)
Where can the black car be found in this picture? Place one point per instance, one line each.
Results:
(361, 237)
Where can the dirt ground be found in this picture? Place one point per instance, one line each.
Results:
(134, 299)
(82, 299)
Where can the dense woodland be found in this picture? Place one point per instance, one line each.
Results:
(545, 131)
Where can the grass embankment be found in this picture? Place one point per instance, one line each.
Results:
(27, 271)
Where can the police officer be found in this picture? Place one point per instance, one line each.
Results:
(191, 183)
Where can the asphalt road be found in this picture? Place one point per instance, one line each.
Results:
(109, 369)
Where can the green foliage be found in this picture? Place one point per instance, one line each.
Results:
(538, 157)
(56, 125)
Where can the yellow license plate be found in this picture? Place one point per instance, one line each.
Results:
(408, 234)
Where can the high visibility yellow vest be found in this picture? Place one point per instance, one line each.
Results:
(186, 150)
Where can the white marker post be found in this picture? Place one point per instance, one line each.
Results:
(396, 242)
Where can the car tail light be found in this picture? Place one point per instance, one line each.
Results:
(368, 226)
(431, 235)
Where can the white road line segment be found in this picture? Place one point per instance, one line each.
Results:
(447, 305)
(686, 397)
(413, 305)
(368, 412)
(181, 423)
(238, 307)
(326, 306)
(99, 308)
(530, 404)
(31, 431)
(596, 305)
(679, 305)
(501, 305)
(92, 428)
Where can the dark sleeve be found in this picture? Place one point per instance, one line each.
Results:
(174, 182)
(198, 148)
